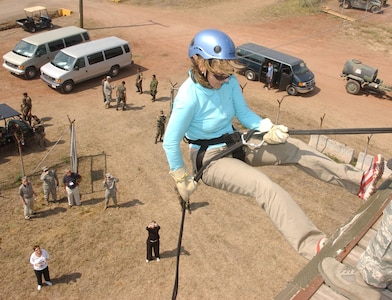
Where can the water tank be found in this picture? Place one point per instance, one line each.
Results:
(355, 67)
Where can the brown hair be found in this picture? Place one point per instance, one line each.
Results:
(35, 247)
(216, 66)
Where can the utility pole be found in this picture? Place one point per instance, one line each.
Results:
(81, 13)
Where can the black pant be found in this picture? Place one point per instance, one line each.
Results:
(38, 274)
(152, 245)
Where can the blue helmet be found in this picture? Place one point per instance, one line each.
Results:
(212, 43)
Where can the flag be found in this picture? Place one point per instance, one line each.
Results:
(73, 152)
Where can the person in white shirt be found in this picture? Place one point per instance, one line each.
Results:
(39, 259)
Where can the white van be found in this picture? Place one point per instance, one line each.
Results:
(82, 62)
(36, 50)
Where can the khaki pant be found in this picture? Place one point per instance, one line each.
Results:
(28, 207)
(73, 195)
(240, 177)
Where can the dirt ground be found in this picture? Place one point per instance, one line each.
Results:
(230, 248)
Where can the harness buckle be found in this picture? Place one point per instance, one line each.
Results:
(249, 144)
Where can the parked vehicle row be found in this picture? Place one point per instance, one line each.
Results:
(66, 56)
(32, 52)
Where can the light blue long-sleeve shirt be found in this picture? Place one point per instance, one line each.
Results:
(202, 113)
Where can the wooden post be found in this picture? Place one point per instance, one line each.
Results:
(81, 13)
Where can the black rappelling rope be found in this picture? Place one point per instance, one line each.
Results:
(185, 205)
(175, 288)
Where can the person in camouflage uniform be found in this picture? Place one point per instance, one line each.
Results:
(153, 87)
(110, 189)
(161, 125)
(373, 270)
(139, 81)
(39, 131)
(121, 95)
(26, 107)
(50, 184)
(375, 264)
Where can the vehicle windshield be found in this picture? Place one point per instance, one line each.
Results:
(301, 68)
(25, 49)
(63, 61)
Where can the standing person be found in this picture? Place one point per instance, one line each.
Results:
(153, 87)
(270, 74)
(110, 189)
(139, 81)
(203, 111)
(39, 131)
(50, 184)
(17, 132)
(161, 125)
(103, 89)
(39, 259)
(373, 270)
(153, 241)
(108, 89)
(71, 182)
(26, 107)
(27, 195)
(121, 94)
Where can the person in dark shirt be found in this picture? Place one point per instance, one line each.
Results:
(153, 241)
(71, 182)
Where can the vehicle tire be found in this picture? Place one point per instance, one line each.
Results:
(375, 9)
(353, 87)
(346, 4)
(31, 73)
(33, 29)
(51, 25)
(250, 75)
(114, 71)
(291, 90)
(67, 86)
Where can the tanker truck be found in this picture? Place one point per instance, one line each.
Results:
(363, 78)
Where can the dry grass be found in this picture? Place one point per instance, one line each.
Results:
(230, 248)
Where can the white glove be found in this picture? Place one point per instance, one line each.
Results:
(184, 182)
(265, 125)
(277, 135)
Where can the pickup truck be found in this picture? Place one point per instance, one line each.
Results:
(37, 18)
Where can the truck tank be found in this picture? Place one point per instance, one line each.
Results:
(355, 67)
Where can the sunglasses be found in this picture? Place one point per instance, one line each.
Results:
(220, 77)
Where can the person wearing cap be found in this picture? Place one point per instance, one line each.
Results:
(203, 113)
(161, 125)
(108, 89)
(153, 87)
(110, 189)
(50, 184)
